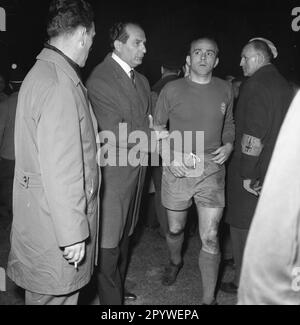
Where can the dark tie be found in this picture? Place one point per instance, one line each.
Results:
(132, 77)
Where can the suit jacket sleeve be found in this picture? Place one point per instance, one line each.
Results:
(161, 117)
(61, 163)
(151, 143)
(255, 128)
(107, 111)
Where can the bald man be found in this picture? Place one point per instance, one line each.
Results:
(263, 103)
(199, 102)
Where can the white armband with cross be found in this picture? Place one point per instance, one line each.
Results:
(251, 146)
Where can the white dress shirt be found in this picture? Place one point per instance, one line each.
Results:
(125, 66)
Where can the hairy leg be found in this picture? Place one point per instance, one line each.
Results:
(175, 234)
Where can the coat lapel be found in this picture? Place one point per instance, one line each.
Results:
(136, 95)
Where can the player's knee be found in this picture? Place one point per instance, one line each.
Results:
(174, 233)
(210, 243)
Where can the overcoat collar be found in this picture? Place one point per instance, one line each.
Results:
(54, 57)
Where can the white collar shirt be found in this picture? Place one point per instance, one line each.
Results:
(126, 67)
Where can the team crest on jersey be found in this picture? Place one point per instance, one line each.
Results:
(223, 108)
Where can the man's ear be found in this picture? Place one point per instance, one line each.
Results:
(260, 58)
(217, 62)
(118, 45)
(81, 35)
(188, 60)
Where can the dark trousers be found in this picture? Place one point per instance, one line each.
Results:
(238, 239)
(225, 241)
(7, 168)
(112, 269)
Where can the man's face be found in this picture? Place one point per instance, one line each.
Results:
(203, 58)
(88, 41)
(133, 51)
(249, 61)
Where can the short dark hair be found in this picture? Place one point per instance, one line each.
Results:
(66, 15)
(206, 38)
(262, 47)
(171, 65)
(118, 31)
(171, 68)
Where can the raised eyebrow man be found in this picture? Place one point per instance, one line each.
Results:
(264, 100)
(199, 102)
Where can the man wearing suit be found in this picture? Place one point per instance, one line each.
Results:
(119, 94)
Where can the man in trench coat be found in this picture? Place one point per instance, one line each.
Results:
(55, 210)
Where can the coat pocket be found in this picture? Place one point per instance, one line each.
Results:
(27, 180)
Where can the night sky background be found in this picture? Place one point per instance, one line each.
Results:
(169, 28)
